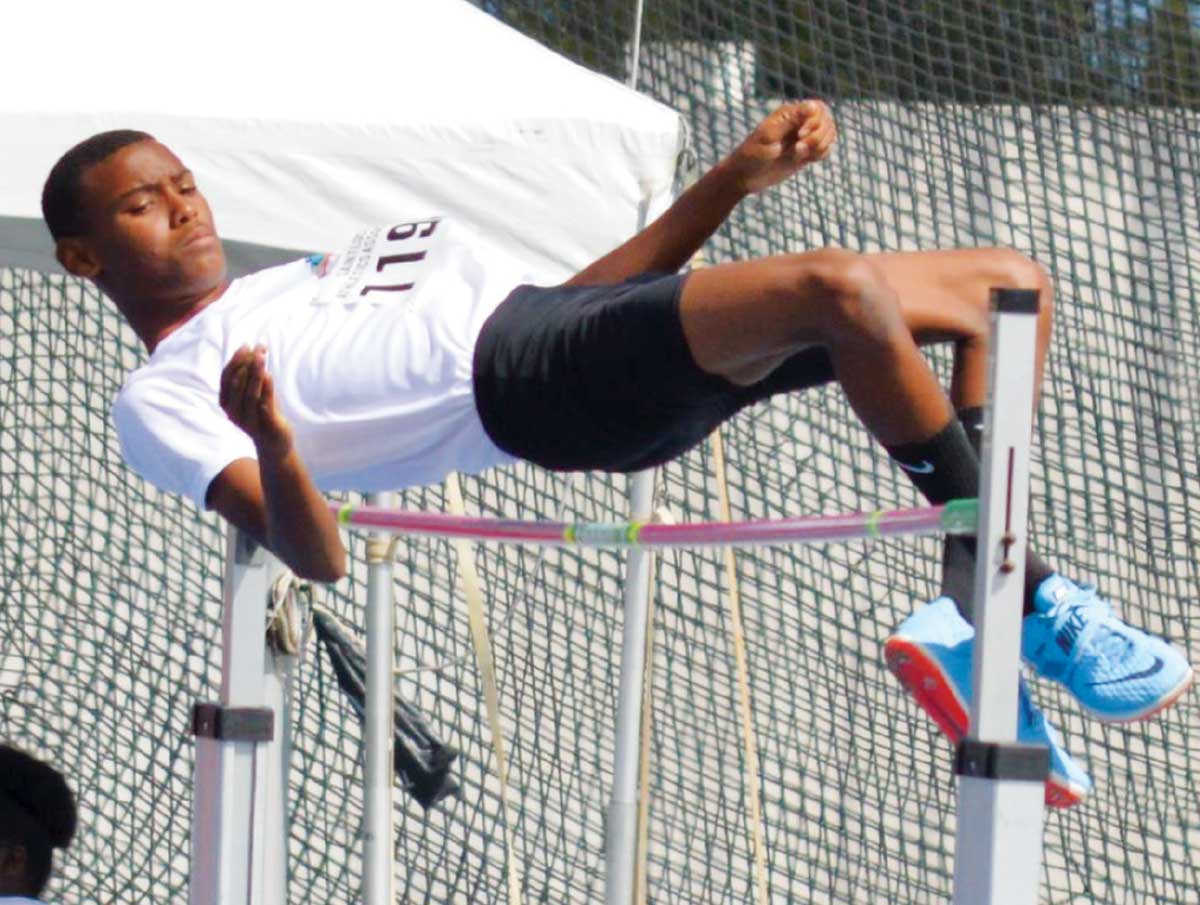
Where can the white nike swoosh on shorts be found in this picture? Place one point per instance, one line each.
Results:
(925, 467)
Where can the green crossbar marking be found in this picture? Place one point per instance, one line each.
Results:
(960, 516)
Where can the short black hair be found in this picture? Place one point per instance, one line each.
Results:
(62, 202)
(37, 811)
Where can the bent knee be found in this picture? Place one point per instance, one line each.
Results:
(1014, 270)
(855, 295)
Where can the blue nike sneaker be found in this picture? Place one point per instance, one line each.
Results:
(1116, 672)
(930, 653)
(1068, 783)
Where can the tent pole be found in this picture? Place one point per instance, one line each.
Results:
(622, 826)
(622, 811)
(621, 846)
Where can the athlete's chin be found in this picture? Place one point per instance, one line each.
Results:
(202, 270)
(180, 288)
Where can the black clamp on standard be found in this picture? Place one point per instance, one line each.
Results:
(1015, 301)
(992, 760)
(233, 724)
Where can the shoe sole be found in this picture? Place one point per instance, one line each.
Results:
(1157, 707)
(921, 674)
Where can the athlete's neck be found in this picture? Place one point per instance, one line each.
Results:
(153, 321)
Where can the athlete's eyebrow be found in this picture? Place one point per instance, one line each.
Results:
(144, 187)
(152, 186)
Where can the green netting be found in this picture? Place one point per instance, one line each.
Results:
(1069, 131)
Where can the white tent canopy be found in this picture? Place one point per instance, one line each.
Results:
(303, 123)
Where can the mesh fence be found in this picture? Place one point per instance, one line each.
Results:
(1069, 131)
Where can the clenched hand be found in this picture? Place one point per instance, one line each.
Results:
(248, 398)
(788, 140)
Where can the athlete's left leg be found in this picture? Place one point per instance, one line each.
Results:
(1070, 633)
(945, 296)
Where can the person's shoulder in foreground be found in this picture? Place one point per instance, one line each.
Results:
(37, 815)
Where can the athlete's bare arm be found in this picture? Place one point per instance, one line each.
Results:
(791, 138)
(274, 500)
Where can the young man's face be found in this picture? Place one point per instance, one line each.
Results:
(150, 231)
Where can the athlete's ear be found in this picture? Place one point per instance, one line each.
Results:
(77, 258)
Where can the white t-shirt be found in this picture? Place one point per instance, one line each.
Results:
(370, 352)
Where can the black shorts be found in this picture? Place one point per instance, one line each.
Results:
(601, 377)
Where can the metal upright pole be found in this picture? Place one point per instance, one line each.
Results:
(378, 832)
(998, 847)
(234, 839)
(277, 696)
(621, 829)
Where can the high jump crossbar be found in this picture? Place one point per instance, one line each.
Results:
(954, 517)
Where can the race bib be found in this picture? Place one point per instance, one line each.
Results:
(381, 264)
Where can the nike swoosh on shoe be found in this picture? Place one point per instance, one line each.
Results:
(1150, 670)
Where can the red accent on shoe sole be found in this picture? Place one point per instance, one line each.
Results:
(1061, 795)
(920, 674)
(1170, 698)
(925, 681)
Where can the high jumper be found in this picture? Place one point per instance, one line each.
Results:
(261, 392)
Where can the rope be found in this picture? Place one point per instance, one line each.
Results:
(753, 796)
(288, 620)
(640, 883)
(745, 709)
(469, 581)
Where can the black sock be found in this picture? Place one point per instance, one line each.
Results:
(958, 573)
(958, 553)
(944, 467)
(971, 418)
